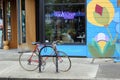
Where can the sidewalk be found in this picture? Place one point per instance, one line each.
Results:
(81, 69)
(11, 69)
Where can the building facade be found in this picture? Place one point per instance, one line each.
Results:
(87, 28)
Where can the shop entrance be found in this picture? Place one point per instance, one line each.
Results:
(19, 22)
(9, 17)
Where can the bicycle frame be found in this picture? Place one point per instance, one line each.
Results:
(34, 50)
(38, 50)
(40, 61)
(55, 49)
(39, 56)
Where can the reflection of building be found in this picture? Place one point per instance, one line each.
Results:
(48, 20)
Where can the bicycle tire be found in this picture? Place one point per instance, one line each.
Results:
(64, 62)
(45, 53)
(25, 64)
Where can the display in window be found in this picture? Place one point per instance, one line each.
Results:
(66, 26)
(65, 22)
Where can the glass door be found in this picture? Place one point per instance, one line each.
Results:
(23, 22)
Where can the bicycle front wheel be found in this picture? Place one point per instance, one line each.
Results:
(64, 62)
(29, 61)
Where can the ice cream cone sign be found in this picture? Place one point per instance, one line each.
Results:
(101, 39)
(101, 46)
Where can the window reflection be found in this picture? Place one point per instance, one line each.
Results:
(64, 1)
(9, 35)
(23, 21)
(65, 22)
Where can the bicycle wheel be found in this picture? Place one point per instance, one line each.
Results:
(46, 52)
(29, 61)
(64, 62)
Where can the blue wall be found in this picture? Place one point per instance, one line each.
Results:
(92, 31)
(73, 50)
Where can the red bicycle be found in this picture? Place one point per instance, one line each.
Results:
(30, 61)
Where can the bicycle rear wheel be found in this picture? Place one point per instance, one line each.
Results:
(64, 62)
(29, 61)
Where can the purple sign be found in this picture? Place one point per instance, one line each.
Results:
(65, 15)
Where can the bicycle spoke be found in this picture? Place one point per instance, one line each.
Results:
(64, 62)
(28, 61)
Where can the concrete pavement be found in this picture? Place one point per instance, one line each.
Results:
(11, 69)
(81, 69)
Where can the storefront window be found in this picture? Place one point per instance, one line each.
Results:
(9, 22)
(23, 21)
(65, 21)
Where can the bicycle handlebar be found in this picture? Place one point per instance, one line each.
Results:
(57, 41)
(54, 42)
(34, 43)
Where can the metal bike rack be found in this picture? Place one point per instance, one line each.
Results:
(56, 62)
(40, 63)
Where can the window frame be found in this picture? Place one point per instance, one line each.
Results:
(40, 20)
